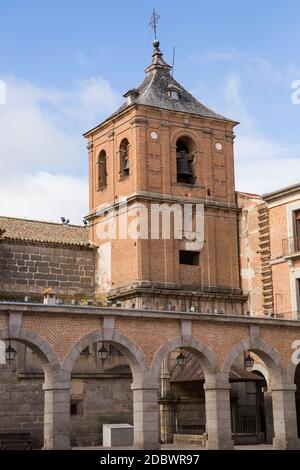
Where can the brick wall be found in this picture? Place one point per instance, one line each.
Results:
(149, 331)
(250, 259)
(51, 327)
(284, 270)
(153, 176)
(29, 268)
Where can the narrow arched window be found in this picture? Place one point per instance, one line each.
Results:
(102, 172)
(124, 158)
(184, 160)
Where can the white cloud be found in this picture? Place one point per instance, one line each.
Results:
(42, 149)
(293, 71)
(31, 140)
(262, 164)
(261, 70)
(263, 176)
(253, 146)
(235, 104)
(90, 102)
(45, 196)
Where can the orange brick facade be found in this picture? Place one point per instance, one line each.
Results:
(154, 264)
(269, 252)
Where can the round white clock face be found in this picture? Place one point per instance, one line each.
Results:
(154, 135)
(219, 146)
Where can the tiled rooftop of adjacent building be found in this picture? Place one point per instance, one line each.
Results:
(45, 232)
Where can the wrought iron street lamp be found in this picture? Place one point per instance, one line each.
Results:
(249, 361)
(103, 353)
(181, 359)
(10, 353)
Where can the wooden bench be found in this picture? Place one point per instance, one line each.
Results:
(15, 441)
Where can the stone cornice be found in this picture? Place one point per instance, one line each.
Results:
(177, 291)
(282, 193)
(56, 310)
(167, 198)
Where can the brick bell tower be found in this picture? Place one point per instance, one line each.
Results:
(162, 146)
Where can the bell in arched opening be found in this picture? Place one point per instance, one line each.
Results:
(126, 167)
(184, 168)
(185, 159)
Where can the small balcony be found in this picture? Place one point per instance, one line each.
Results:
(291, 247)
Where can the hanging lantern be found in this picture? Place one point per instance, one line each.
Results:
(102, 353)
(181, 359)
(10, 353)
(249, 362)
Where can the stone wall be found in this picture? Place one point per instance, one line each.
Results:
(97, 399)
(22, 408)
(26, 269)
(21, 405)
(105, 401)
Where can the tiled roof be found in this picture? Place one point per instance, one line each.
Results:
(45, 232)
(153, 91)
(251, 195)
(295, 188)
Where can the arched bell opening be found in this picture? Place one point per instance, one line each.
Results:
(185, 160)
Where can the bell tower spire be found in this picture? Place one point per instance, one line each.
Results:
(154, 22)
(157, 62)
(157, 56)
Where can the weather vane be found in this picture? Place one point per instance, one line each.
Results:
(154, 21)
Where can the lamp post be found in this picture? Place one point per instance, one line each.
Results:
(102, 353)
(248, 361)
(181, 359)
(10, 353)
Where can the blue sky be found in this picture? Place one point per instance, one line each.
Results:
(67, 63)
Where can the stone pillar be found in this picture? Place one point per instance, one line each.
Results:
(165, 385)
(145, 417)
(285, 417)
(57, 415)
(218, 416)
(166, 405)
(268, 417)
(167, 419)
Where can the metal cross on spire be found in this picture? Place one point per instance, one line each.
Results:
(154, 21)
